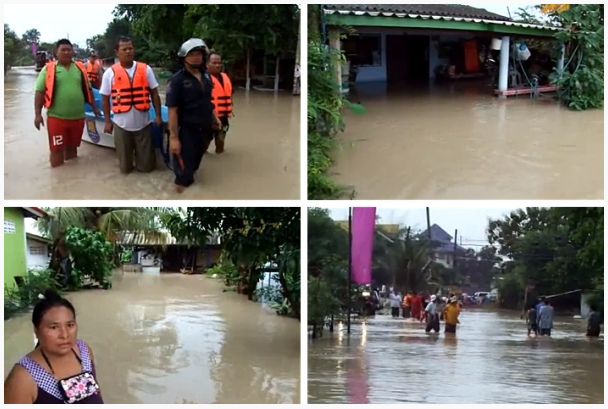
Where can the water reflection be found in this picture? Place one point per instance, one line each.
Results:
(261, 161)
(490, 360)
(179, 339)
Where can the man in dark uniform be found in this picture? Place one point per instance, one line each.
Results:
(191, 118)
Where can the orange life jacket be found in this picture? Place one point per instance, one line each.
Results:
(221, 96)
(50, 84)
(93, 72)
(130, 93)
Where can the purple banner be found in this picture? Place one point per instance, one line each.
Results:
(363, 225)
(34, 48)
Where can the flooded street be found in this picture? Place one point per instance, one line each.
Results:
(261, 161)
(491, 360)
(179, 339)
(459, 142)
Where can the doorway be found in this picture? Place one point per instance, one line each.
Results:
(417, 58)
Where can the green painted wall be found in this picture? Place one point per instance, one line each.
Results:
(14, 246)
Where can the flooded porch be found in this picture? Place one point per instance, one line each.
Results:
(172, 338)
(489, 361)
(456, 140)
(261, 161)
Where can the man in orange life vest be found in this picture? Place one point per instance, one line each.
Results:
(94, 68)
(221, 96)
(63, 88)
(131, 85)
(192, 119)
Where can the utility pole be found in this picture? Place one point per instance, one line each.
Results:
(455, 237)
(350, 264)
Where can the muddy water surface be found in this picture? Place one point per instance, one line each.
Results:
(491, 360)
(179, 339)
(459, 142)
(261, 161)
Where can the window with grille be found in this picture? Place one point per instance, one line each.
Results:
(37, 251)
(9, 227)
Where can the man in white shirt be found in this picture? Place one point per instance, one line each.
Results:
(130, 86)
(432, 316)
(395, 300)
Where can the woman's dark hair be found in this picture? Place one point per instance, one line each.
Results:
(51, 299)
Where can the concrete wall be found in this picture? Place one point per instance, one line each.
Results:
(37, 254)
(14, 245)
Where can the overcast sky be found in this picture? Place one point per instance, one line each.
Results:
(471, 223)
(82, 21)
(56, 21)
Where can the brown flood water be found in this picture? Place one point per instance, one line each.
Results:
(490, 361)
(179, 339)
(459, 142)
(261, 161)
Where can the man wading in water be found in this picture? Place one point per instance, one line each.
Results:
(63, 88)
(221, 96)
(131, 85)
(192, 120)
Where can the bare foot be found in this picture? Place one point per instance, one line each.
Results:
(180, 189)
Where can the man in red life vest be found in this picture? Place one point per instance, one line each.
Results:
(94, 68)
(63, 88)
(221, 97)
(128, 90)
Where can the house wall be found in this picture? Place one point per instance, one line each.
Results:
(445, 260)
(378, 73)
(37, 254)
(14, 245)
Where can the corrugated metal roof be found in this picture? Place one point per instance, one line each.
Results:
(444, 10)
(444, 18)
(159, 239)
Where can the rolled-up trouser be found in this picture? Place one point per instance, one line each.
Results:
(395, 312)
(219, 135)
(136, 144)
(195, 142)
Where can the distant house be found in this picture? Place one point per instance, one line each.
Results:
(15, 242)
(37, 252)
(443, 247)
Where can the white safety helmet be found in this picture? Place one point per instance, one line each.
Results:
(193, 44)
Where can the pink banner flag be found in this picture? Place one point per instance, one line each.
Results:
(34, 48)
(363, 225)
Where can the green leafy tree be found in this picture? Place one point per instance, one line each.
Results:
(551, 250)
(582, 82)
(327, 267)
(31, 36)
(251, 237)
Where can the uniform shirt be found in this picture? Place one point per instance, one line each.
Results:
(133, 120)
(191, 98)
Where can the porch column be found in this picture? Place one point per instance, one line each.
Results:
(561, 60)
(503, 70)
(336, 62)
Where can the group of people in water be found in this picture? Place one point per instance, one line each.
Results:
(427, 308)
(539, 319)
(198, 97)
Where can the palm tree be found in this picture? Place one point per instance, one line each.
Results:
(406, 259)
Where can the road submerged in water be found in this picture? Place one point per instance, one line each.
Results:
(491, 360)
(173, 338)
(261, 161)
